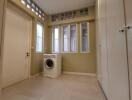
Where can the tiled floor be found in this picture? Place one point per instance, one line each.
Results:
(67, 87)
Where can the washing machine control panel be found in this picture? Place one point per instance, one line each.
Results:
(49, 56)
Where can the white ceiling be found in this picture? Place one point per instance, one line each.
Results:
(58, 6)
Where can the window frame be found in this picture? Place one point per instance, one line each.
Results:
(53, 27)
(69, 42)
(75, 37)
(81, 51)
(62, 39)
(34, 8)
(39, 23)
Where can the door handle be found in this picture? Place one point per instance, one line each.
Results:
(125, 29)
(122, 30)
(128, 27)
(27, 54)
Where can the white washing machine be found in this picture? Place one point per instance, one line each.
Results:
(52, 65)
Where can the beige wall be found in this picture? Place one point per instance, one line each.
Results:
(79, 62)
(36, 63)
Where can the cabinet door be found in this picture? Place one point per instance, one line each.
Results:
(117, 56)
(102, 67)
(128, 6)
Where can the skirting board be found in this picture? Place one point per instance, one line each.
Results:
(36, 75)
(78, 73)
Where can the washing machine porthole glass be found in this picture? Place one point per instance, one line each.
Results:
(49, 63)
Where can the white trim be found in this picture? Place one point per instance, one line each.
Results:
(79, 73)
(30, 50)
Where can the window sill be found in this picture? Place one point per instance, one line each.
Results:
(84, 52)
(39, 52)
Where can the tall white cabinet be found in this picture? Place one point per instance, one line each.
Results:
(101, 35)
(112, 44)
(128, 27)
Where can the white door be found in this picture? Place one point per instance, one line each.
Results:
(117, 56)
(18, 26)
(128, 6)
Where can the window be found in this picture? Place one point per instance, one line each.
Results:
(66, 41)
(70, 38)
(55, 40)
(84, 37)
(23, 2)
(34, 8)
(70, 14)
(66, 38)
(39, 38)
(73, 38)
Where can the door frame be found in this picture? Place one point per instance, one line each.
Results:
(2, 11)
(30, 50)
(29, 39)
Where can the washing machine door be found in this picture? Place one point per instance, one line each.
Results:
(49, 64)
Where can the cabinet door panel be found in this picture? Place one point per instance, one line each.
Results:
(117, 57)
(102, 45)
(128, 6)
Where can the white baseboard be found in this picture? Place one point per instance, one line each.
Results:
(68, 73)
(36, 75)
(79, 73)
